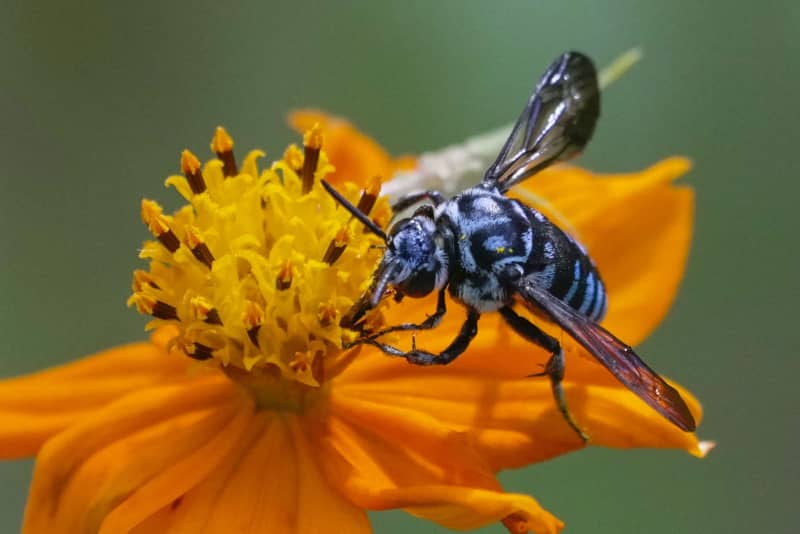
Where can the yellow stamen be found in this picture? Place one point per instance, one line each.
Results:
(190, 167)
(204, 310)
(222, 145)
(253, 318)
(142, 280)
(300, 362)
(307, 364)
(381, 214)
(337, 245)
(194, 240)
(369, 195)
(151, 306)
(153, 217)
(312, 143)
(293, 157)
(197, 351)
(373, 186)
(284, 279)
(221, 142)
(157, 222)
(313, 137)
(253, 314)
(326, 314)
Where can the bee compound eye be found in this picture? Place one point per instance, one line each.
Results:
(419, 284)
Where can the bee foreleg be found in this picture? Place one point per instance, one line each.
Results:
(431, 322)
(554, 369)
(421, 357)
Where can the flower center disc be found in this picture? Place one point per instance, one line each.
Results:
(257, 268)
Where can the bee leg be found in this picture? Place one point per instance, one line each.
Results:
(431, 322)
(413, 198)
(420, 357)
(554, 369)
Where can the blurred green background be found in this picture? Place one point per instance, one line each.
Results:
(99, 99)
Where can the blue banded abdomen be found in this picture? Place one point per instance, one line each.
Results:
(563, 267)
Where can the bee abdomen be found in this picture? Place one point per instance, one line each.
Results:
(586, 292)
(567, 271)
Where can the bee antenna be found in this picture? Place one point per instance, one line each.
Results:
(354, 211)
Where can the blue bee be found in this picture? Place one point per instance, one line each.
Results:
(492, 252)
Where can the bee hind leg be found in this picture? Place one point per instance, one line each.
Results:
(554, 369)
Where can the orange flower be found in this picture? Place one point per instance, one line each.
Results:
(243, 413)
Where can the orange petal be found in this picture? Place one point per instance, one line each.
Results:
(35, 407)
(445, 414)
(469, 508)
(171, 484)
(329, 507)
(380, 474)
(191, 512)
(356, 156)
(270, 483)
(86, 470)
(435, 449)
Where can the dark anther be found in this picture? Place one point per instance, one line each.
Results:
(190, 166)
(162, 310)
(228, 163)
(283, 284)
(369, 195)
(309, 167)
(252, 333)
(212, 317)
(201, 352)
(203, 254)
(312, 143)
(222, 145)
(334, 252)
(284, 279)
(169, 240)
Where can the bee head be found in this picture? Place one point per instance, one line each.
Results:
(414, 262)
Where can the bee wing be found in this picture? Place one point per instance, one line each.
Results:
(615, 355)
(555, 125)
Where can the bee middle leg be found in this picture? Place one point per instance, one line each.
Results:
(421, 357)
(554, 369)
